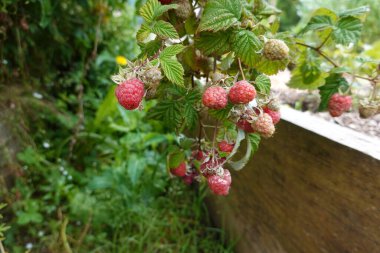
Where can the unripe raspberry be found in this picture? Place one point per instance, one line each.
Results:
(274, 105)
(130, 93)
(184, 9)
(211, 166)
(180, 171)
(338, 104)
(367, 110)
(264, 125)
(242, 93)
(166, 1)
(245, 125)
(215, 97)
(220, 185)
(275, 115)
(152, 76)
(275, 50)
(226, 147)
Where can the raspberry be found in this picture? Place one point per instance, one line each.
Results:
(130, 93)
(338, 104)
(275, 115)
(224, 146)
(180, 171)
(220, 185)
(274, 105)
(198, 155)
(184, 9)
(245, 125)
(242, 93)
(211, 166)
(188, 179)
(275, 50)
(152, 76)
(264, 125)
(166, 1)
(215, 97)
(367, 109)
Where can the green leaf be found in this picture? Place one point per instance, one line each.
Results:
(173, 70)
(221, 114)
(220, 15)
(255, 141)
(355, 12)
(269, 67)
(171, 51)
(297, 80)
(333, 84)
(150, 48)
(210, 43)
(318, 23)
(246, 45)
(175, 159)
(135, 167)
(107, 108)
(153, 9)
(347, 30)
(164, 30)
(263, 84)
(143, 33)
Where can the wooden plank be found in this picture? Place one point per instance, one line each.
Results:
(304, 192)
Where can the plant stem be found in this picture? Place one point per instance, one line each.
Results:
(2, 250)
(324, 42)
(66, 244)
(241, 69)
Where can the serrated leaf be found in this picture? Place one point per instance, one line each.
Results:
(246, 45)
(347, 30)
(173, 70)
(269, 67)
(221, 114)
(355, 12)
(333, 84)
(150, 48)
(164, 30)
(210, 43)
(255, 142)
(143, 33)
(171, 51)
(175, 159)
(238, 165)
(153, 9)
(297, 80)
(220, 15)
(318, 23)
(263, 84)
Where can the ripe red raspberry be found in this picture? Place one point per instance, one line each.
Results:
(215, 97)
(242, 93)
(245, 125)
(264, 125)
(338, 104)
(166, 1)
(224, 146)
(180, 171)
(275, 115)
(197, 155)
(220, 185)
(210, 167)
(130, 93)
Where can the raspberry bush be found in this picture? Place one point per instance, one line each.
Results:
(207, 64)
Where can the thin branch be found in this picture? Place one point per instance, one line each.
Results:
(321, 53)
(66, 244)
(84, 233)
(241, 69)
(324, 42)
(2, 250)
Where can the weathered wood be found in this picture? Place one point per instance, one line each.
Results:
(303, 192)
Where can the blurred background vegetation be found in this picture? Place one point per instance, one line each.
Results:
(78, 171)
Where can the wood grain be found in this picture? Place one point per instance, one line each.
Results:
(303, 192)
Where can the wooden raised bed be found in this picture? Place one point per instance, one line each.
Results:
(314, 187)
